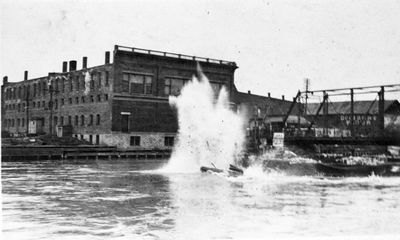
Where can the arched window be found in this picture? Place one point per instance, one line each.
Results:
(90, 120)
(82, 120)
(98, 119)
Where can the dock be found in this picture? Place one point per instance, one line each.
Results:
(53, 152)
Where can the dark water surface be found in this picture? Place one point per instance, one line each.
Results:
(127, 199)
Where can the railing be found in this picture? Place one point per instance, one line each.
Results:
(174, 55)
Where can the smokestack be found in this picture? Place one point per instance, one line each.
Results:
(283, 97)
(84, 62)
(72, 65)
(107, 59)
(249, 92)
(269, 95)
(25, 75)
(65, 67)
(5, 79)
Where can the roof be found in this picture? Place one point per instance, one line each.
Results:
(360, 107)
(291, 119)
(267, 105)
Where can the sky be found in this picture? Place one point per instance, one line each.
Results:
(275, 43)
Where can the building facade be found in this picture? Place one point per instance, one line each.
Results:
(121, 103)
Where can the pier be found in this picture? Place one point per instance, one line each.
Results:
(48, 152)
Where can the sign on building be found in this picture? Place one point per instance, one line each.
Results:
(278, 139)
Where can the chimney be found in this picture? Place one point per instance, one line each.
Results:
(5, 79)
(84, 62)
(249, 92)
(72, 65)
(65, 67)
(25, 75)
(269, 95)
(107, 59)
(283, 97)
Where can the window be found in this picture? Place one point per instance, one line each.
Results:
(55, 121)
(81, 136)
(98, 119)
(82, 120)
(33, 105)
(62, 102)
(169, 141)
(135, 141)
(91, 98)
(125, 123)
(71, 87)
(99, 98)
(92, 80)
(173, 86)
(43, 104)
(107, 78)
(38, 104)
(55, 104)
(76, 120)
(23, 122)
(100, 78)
(18, 122)
(69, 120)
(97, 139)
(70, 100)
(105, 97)
(91, 139)
(34, 89)
(62, 120)
(83, 99)
(19, 107)
(90, 120)
(77, 83)
(62, 85)
(137, 83)
(77, 100)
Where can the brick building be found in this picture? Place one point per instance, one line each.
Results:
(122, 103)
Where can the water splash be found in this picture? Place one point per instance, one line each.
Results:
(209, 131)
(88, 79)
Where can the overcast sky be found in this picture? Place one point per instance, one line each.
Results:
(275, 43)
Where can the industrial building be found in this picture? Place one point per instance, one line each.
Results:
(122, 103)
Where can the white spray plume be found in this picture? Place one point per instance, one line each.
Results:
(209, 131)
(87, 83)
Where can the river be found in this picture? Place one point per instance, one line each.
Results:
(131, 199)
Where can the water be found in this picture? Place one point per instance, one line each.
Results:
(127, 199)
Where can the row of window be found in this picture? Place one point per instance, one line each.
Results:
(19, 122)
(90, 138)
(142, 84)
(59, 85)
(135, 141)
(78, 120)
(42, 104)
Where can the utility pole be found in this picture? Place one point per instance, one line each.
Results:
(307, 87)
